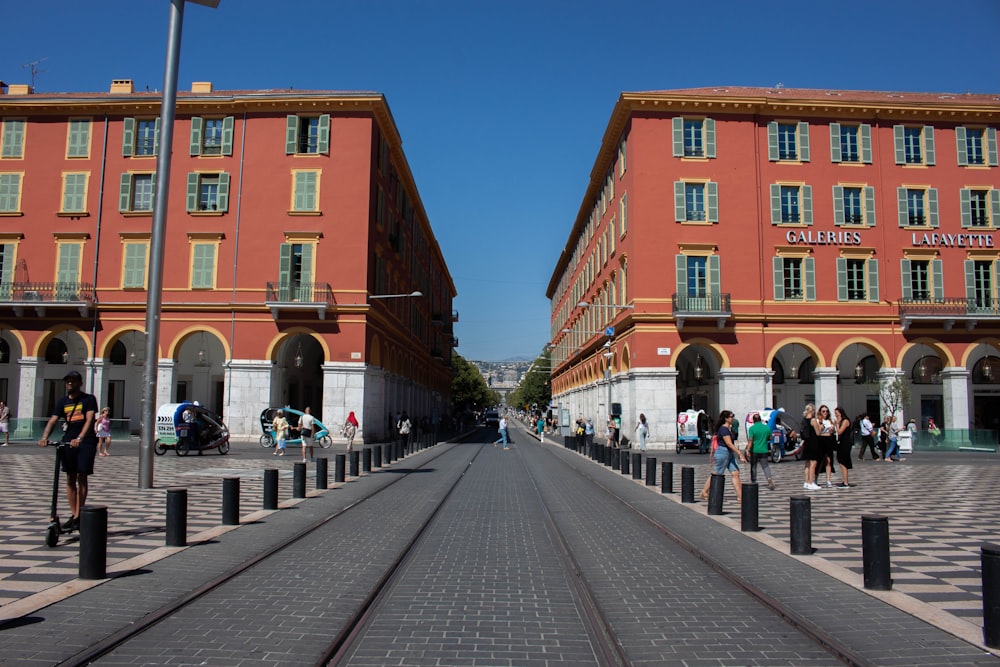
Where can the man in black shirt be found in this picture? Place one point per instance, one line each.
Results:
(78, 410)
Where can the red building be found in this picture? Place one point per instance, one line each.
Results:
(289, 211)
(774, 247)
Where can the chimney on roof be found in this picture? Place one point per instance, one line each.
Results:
(19, 89)
(3, 87)
(122, 86)
(201, 86)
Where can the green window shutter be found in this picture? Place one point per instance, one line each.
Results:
(192, 192)
(928, 144)
(291, 135)
(7, 259)
(680, 205)
(965, 205)
(904, 215)
(873, 280)
(714, 275)
(323, 144)
(809, 270)
(995, 208)
(196, 124)
(970, 280)
(775, 204)
(712, 195)
(135, 265)
(152, 184)
(834, 142)
(681, 265)
(69, 265)
(907, 285)
(285, 272)
(76, 185)
(305, 191)
(838, 205)
(772, 141)
(203, 268)
(866, 143)
(128, 137)
(937, 275)
(778, 265)
(806, 195)
(804, 142)
(125, 192)
(79, 137)
(13, 138)
(306, 282)
(841, 279)
(227, 135)
(961, 147)
(156, 137)
(678, 136)
(870, 205)
(932, 207)
(223, 200)
(991, 146)
(710, 137)
(898, 132)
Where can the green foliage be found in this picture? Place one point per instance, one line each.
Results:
(893, 395)
(468, 388)
(535, 387)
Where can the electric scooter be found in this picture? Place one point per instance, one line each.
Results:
(54, 529)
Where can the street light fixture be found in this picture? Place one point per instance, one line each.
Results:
(587, 304)
(394, 296)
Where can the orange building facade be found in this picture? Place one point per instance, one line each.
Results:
(288, 211)
(774, 247)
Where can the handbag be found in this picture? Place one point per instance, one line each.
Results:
(715, 443)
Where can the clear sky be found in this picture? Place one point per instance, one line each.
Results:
(501, 104)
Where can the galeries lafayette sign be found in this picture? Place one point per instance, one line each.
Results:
(917, 239)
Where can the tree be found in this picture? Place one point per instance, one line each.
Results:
(535, 387)
(893, 394)
(468, 389)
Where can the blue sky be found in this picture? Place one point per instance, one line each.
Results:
(501, 104)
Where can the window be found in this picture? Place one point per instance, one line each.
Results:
(306, 135)
(212, 136)
(134, 264)
(12, 138)
(976, 146)
(696, 202)
(979, 278)
(697, 277)
(980, 207)
(140, 137)
(794, 278)
(305, 193)
(74, 199)
(853, 205)
(207, 192)
(203, 265)
(698, 282)
(78, 140)
(788, 141)
(918, 207)
(851, 143)
(791, 204)
(922, 279)
(623, 215)
(295, 272)
(913, 145)
(7, 251)
(68, 271)
(857, 279)
(694, 137)
(135, 194)
(10, 193)
(621, 158)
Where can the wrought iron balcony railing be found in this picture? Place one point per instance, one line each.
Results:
(947, 311)
(41, 296)
(299, 296)
(709, 306)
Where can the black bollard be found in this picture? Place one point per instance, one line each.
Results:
(716, 493)
(271, 489)
(650, 472)
(230, 501)
(354, 460)
(339, 463)
(626, 470)
(687, 484)
(177, 517)
(989, 556)
(321, 472)
(93, 542)
(299, 480)
(636, 466)
(875, 552)
(800, 525)
(366, 459)
(667, 477)
(594, 453)
(749, 507)
(377, 456)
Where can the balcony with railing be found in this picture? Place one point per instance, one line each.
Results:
(284, 296)
(706, 307)
(946, 312)
(46, 296)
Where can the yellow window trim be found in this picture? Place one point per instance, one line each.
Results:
(303, 237)
(792, 251)
(62, 237)
(920, 253)
(217, 237)
(134, 236)
(857, 253)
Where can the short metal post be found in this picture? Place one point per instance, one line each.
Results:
(366, 459)
(687, 484)
(595, 454)
(650, 472)
(339, 463)
(299, 480)
(990, 560)
(667, 477)
(636, 466)
(271, 489)
(93, 562)
(321, 472)
(626, 460)
(177, 517)
(230, 501)
(800, 524)
(749, 506)
(355, 459)
(386, 455)
(875, 552)
(377, 456)
(716, 493)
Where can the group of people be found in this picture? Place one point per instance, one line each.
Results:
(281, 429)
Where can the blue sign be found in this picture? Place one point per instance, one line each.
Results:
(609, 331)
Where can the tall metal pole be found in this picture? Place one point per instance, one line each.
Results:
(155, 293)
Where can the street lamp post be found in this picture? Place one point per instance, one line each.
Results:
(154, 297)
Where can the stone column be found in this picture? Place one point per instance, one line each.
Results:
(343, 392)
(95, 383)
(248, 391)
(26, 399)
(652, 391)
(825, 384)
(373, 405)
(742, 390)
(955, 381)
(885, 377)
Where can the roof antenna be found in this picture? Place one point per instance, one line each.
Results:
(33, 66)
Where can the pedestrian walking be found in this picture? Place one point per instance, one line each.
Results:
(540, 428)
(104, 432)
(502, 440)
(827, 443)
(279, 426)
(642, 430)
(844, 443)
(306, 425)
(588, 435)
(759, 437)
(892, 431)
(350, 429)
(867, 438)
(725, 455)
(5, 423)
